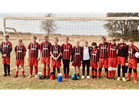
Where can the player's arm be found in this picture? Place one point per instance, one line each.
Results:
(10, 50)
(81, 54)
(1, 49)
(72, 53)
(39, 52)
(59, 53)
(52, 53)
(28, 52)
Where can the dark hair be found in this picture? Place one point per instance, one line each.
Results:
(94, 44)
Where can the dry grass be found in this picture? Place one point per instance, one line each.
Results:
(26, 83)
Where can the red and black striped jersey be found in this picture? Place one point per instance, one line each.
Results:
(56, 50)
(66, 50)
(132, 50)
(103, 50)
(122, 49)
(5, 47)
(33, 50)
(77, 54)
(20, 52)
(94, 55)
(45, 49)
(112, 50)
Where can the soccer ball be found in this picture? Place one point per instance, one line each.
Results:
(73, 77)
(137, 54)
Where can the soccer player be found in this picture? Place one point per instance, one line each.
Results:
(77, 57)
(6, 48)
(20, 52)
(33, 56)
(45, 60)
(66, 50)
(55, 52)
(103, 57)
(132, 62)
(94, 60)
(86, 59)
(112, 59)
(121, 57)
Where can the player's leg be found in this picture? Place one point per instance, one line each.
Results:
(135, 71)
(64, 68)
(78, 74)
(48, 72)
(106, 67)
(92, 73)
(54, 70)
(58, 70)
(36, 71)
(67, 66)
(129, 74)
(31, 70)
(123, 68)
(83, 70)
(110, 67)
(119, 67)
(30, 64)
(88, 69)
(5, 70)
(8, 66)
(23, 71)
(17, 69)
(100, 68)
(44, 71)
(95, 76)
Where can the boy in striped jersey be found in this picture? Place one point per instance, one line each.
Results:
(6, 48)
(45, 51)
(94, 60)
(77, 54)
(33, 56)
(66, 50)
(55, 52)
(112, 59)
(132, 62)
(20, 52)
(103, 57)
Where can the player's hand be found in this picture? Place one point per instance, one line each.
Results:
(4, 55)
(27, 59)
(81, 61)
(38, 59)
(126, 61)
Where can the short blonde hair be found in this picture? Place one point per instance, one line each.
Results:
(33, 36)
(76, 40)
(56, 38)
(6, 35)
(45, 35)
(19, 39)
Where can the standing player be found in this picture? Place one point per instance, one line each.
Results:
(45, 60)
(20, 52)
(77, 57)
(103, 57)
(66, 50)
(112, 59)
(132, 62)
(6, 48)
(94, 60)
(55, 52)
(121, 57)
(33, 55)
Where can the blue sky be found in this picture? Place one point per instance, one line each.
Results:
(64, 27)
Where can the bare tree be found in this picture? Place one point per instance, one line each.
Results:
(48, 25)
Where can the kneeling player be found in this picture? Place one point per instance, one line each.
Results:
(112, 59)
(20, 52)
(94, 60)
(45, 60)
(132, 62)
(55, 52)
(33, 55)
(77, 57)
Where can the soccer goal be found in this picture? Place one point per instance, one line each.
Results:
(70, 25)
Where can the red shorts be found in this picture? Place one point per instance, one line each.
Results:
(76, 64)
(56, 64)
(6, 61)
(94, 65)
(121, 60)
(112, 62)
(45, 60)
(19, 62)
(33, 61)
(103, 61)
(132, 63)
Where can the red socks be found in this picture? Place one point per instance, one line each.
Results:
(99, 73)
(22, 72)
(44, 71)
(36, 70)
(65, 75)
(31, 70)
(17, 73)
(48, 71)
(92, 73)
(110, 72)
(135, 76)
(58, 72)
(113, 73)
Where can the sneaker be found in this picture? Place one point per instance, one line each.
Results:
(36, 76)
(4, 75)
(124, 79)
(30, 76)
(78, 77)
(64, 77)
(135, 81)
(92, 77)
(67, 77)
(9, 75)
(44, 77)
(88, 77)
(47, 77)
(98, 78)
(23, 76)
(15, 76)
(107, 78)
(128, 79)
(82, 77)
(118, 78)
(113, 78)
(95, 77)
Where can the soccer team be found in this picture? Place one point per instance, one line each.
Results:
(105, 54)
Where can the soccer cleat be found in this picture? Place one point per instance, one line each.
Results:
(95, 77)
(30, 76)
(135, 81)
(118, 78)
(107, 78)
(44, 77)
(98, 78)
(64, 77)
(82, 77)
(9, 75)
(113, 79)
(23, 76)
(124, 79)
(15, 76)
(36, 76)
(88, 77)
(67, 77)
(78, 77)
(4, 75)
(128, 79)
(47, 77)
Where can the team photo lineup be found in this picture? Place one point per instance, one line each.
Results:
(107, 54)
